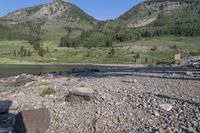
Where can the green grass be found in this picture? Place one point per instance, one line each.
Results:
(47, 92)
(124, 52)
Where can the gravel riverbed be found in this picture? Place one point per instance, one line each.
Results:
(128, 100)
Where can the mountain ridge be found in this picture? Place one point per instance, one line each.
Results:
(50, 11)
(60, 17)
(148, 11)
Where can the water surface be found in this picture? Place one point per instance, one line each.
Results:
(7, 70)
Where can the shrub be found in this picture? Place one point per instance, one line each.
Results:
(149, 61)
(112, 52)
(194, 53)
(29, 53)
(137, 56)
(154, 48)
(23, 52)
(47, 91)
(41, 52)
(15, 54)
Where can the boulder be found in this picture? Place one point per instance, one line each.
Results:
(4, 106)
(32, 121)
(23, 80)
(80, 94)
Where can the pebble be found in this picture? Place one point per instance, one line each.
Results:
(166, 107)
(189, 73)
(156, 113)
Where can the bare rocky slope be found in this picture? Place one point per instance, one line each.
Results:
(55, 11)
(150, 10)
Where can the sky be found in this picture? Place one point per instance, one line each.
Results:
(99, 9)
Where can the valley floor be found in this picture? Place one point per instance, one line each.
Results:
(147, 51)
(125, 100)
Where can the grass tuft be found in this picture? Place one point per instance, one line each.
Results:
(47, 92)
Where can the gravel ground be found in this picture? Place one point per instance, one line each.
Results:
(127, 100)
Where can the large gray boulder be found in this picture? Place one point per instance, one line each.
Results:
(32, 121)
(80, 94)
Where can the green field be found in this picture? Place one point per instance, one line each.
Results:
(147, 51)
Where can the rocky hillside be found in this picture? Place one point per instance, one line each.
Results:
(55, 17)
(57, 10)
(151, 11)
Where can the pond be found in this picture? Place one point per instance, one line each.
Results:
(7, 70)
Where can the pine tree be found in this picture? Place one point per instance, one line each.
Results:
(15, 54)
(35, 33)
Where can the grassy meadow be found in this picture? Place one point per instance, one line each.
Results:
(145, 51)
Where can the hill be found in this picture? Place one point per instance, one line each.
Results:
(153, 10)
(155, 18)
(55, 18)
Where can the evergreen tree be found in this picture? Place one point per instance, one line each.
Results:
(35, 33)
(15, 54)
(41, 52)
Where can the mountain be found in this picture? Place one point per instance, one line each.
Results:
(55, 17)
(156, 18)
(63, 19)
(152, 10)
(57, 10)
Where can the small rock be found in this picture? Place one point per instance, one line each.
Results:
(100, 122)
(32, 121)
(103, 97)
(155, 130)
(130, 81)
(68, 79)
(191, 130)
(160, 130)
(195, 123)
(156, 113)
(189, 73)
(174, 74)
(14, 106)
(28, 84)
(166, 107)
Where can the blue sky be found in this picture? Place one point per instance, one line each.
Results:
(100, 9)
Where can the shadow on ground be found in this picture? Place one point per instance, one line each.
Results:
(152, 72)
(7, 120)
(176, 99)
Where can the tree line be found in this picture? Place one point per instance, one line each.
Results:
(180, 24)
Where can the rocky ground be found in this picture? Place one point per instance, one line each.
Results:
(128, 100)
